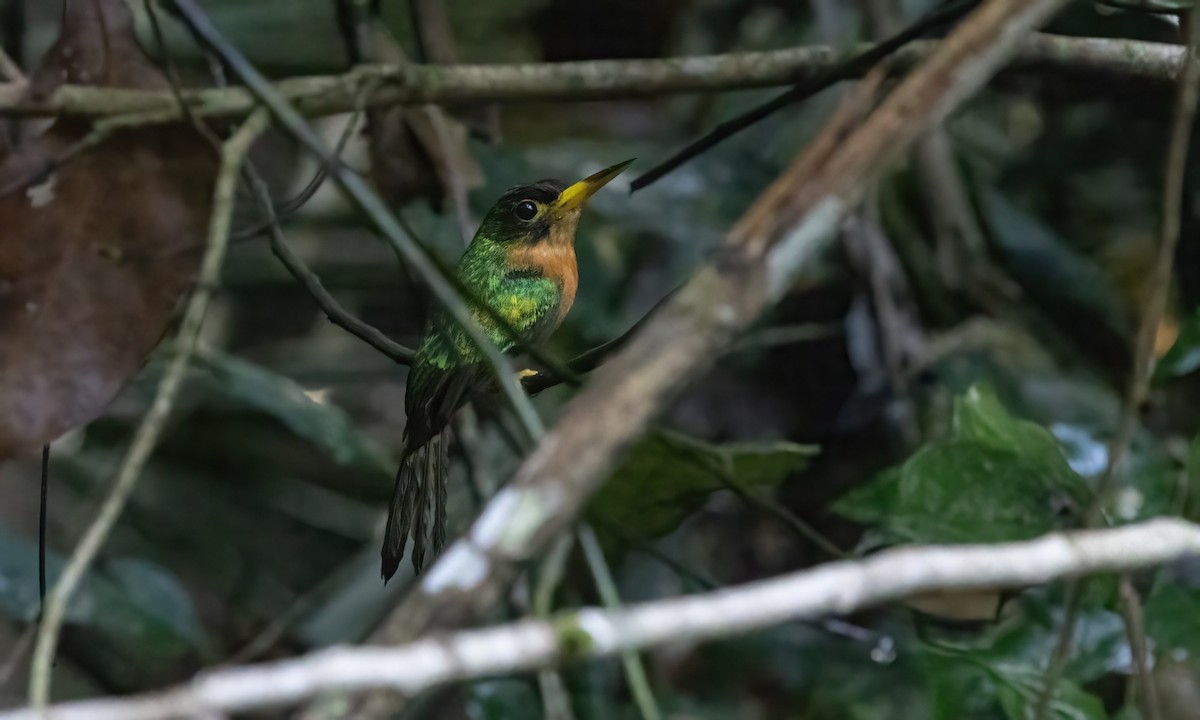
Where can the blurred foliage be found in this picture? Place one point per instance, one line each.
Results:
(994, 479)
(1184, 356)
(985, 415)
(668, 477)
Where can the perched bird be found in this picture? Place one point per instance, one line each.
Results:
(521, 264)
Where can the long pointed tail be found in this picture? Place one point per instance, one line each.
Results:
(420, 482)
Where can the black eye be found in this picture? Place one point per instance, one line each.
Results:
(525, 210)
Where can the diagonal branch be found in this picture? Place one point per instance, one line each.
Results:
(834, 588)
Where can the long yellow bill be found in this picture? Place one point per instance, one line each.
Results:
(575, 196)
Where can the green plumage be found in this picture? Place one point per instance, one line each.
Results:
(518, 295)
(519, 276)
(449, 369)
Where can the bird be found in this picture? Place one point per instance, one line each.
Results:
(521, 265)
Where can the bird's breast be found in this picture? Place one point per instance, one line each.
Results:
(556, 262)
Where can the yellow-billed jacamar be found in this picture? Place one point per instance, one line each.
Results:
(521, 264)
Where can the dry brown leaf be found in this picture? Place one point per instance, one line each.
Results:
(960, 605)
(95, 257)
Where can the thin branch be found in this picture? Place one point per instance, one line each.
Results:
(833, 589)
(698, 580)
(556, 702)
(585, 81)
(631, 661)
(1135, 629)
(153, 424)
(855, 66)
(782, 514)
(337, 314)
(589, 360)
(292, 205)
(16, 655)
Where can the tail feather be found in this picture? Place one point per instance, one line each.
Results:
(439, 498)
(420, 480)
(399, 522)
(420, 523)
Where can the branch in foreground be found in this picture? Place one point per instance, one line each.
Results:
(752, 269)
(835, 588)
(580, 81)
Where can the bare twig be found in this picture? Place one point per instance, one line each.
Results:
(292, 205)
(631, 661)
(555, 700)
(835, 588)
(589, 360)
(782, 514)
(1135, 629)
(154, 422)
(337, 314)
(16, 655)
(940, 16)
(584, 81)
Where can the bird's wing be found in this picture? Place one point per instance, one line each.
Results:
(449, 369)
(434, 394)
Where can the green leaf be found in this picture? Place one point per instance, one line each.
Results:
(231, 382)
(1004, 664)
(156, 592)
(871, 503)
(979, 415)
(669, 476)
(1173, 617)
(956, 688)
(997, 478)
(135, 616)
(1192, 501)
(1019, 687)
(1184, 356)
(965, 492)
(503, 700)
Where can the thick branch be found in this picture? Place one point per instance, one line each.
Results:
(592, 80)
(835, 588)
